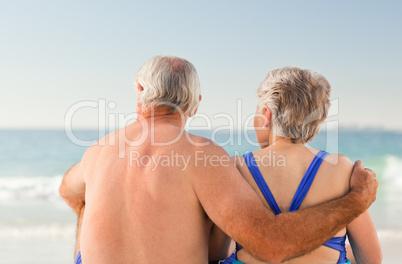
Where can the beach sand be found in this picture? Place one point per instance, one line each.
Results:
(391, 250)
(37, 251)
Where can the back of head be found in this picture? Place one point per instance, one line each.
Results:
(171, 82)
(298, 100)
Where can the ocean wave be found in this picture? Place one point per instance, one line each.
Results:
(392, 174)
(46, 188)
(29, 188)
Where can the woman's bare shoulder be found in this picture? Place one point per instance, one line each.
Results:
(339, 160)
(337, 169)
(340, 164)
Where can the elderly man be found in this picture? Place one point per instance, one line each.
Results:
(153, 192)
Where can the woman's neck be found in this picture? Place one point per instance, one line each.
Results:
(279, 142)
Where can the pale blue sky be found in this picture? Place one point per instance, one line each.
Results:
(56, 53)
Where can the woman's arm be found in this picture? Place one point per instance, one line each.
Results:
(220, 244)
(364, 240)
(349, 254)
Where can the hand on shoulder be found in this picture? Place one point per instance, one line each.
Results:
(363, 183)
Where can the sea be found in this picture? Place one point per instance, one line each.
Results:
(36, 226)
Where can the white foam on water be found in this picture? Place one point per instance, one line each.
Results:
(46, 188)
(391, 181)
(392, 174)
(29, 188)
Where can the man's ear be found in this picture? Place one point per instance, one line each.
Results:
(195, 111)
(139, 88)
(268, 116)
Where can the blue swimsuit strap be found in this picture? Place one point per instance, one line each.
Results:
(255, 171)
(338, 243)
(302, 190)
(307, 180)
(252, 166)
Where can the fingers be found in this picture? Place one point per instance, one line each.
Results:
(364, 181)
(359, 164)
(369, 170)
(371, 173)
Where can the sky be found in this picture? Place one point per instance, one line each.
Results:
(58, 55)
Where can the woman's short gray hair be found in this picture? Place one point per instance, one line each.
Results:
(298, 100)
(169, 82)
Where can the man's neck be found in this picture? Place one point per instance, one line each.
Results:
(163, 115)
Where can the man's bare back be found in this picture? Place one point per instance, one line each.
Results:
(144, 214)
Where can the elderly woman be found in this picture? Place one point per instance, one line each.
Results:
(293, 102)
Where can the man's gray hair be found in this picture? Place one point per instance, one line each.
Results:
(298, 100)
(169, 81)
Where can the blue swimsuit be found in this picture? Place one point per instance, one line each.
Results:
(78, 259)
(337, 243)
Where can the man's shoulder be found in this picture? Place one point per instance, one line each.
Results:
(109, 141)
(203, 143)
